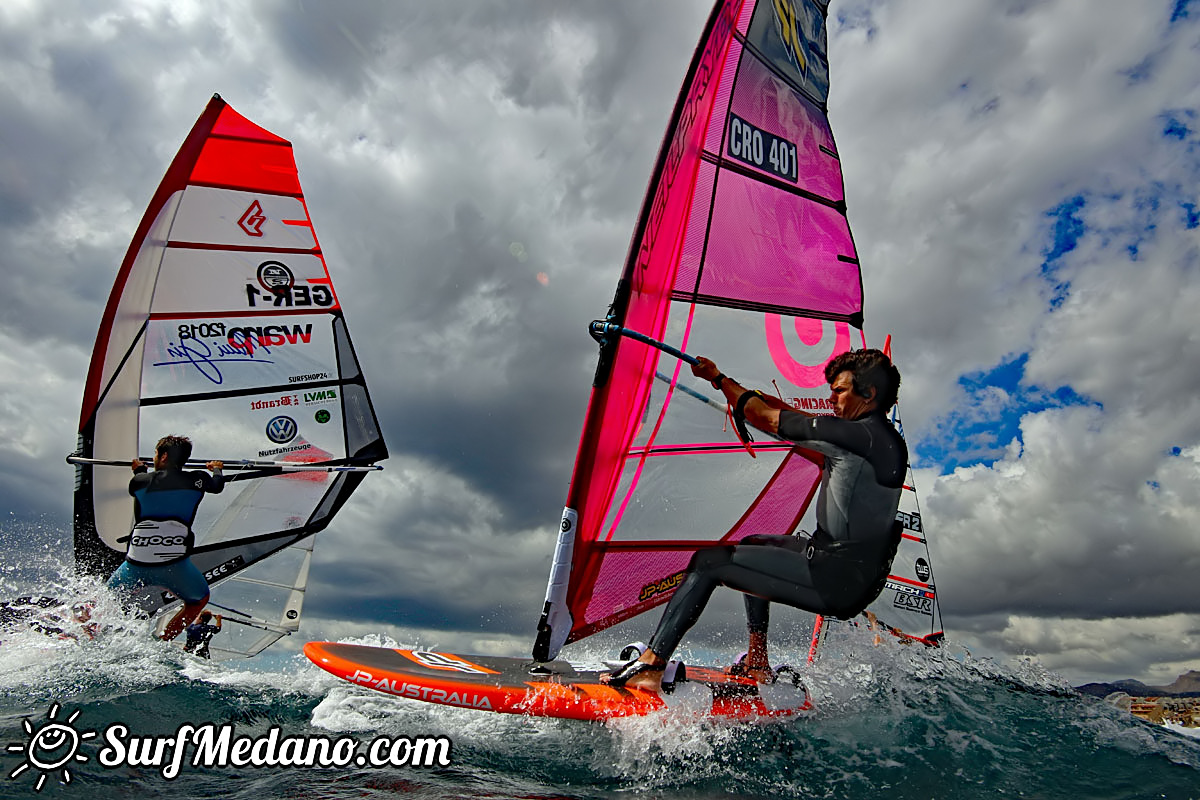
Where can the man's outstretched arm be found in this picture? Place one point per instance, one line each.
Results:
(762, 411)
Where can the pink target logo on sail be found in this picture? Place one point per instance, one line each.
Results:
(801, 347)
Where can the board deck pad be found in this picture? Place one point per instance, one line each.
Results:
(553, 689)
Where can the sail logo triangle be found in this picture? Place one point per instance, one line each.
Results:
(252, 220)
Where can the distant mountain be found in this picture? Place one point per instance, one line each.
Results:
(1186, 685)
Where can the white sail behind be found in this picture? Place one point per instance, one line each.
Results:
(223, 325)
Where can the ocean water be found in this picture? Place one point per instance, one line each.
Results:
(890, 721)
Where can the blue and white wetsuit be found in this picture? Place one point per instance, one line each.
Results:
(164, 506)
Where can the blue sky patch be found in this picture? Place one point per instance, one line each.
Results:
(1191, 215)
(1180, 11)
(1068, 229)
(1176, 128)
(981, 428)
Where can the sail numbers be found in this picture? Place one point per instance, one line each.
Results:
(762, 149)
(290, 296)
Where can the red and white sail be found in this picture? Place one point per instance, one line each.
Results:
(223, 325)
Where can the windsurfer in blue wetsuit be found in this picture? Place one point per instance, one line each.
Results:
(164, 507)
(839, 569)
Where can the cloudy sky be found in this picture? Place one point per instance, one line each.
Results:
(1022, 183)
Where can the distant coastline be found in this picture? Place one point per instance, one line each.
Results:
(1177, 703)
(1186, 685)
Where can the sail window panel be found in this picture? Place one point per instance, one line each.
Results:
(628, 583)
(672, 495)
(278, 571)
(775, 131)
(772, 248)
(262, 505)
(687, 421)
(198, 355)
(800, 348)
(236, 280)
(253, 166)
(620, 420)
(254, 597)
(240, 641)
(699, 419)
(778, 354)
(213, 216)
(268, 595)
(784, 356)
(781, 504)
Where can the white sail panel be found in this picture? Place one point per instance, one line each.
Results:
(228, 217)
(204, 354)
(231, 281)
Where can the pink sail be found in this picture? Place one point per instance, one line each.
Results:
(742, 253)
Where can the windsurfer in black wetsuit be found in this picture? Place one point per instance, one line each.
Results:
(48, 616)
(164, 507)
(200, 634)
(842, 567)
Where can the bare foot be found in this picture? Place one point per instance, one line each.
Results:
(650, 681)
(636, 674)
(761, 673)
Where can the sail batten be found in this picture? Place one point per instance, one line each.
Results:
(223, 325)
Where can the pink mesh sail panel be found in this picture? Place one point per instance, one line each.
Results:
(742, 253)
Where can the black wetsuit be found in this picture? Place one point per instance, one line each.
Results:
(199, 635)
(837, 571)
(46, 615)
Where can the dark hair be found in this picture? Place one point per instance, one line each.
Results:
(871, 369)
(177, 448)
(205, 615)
